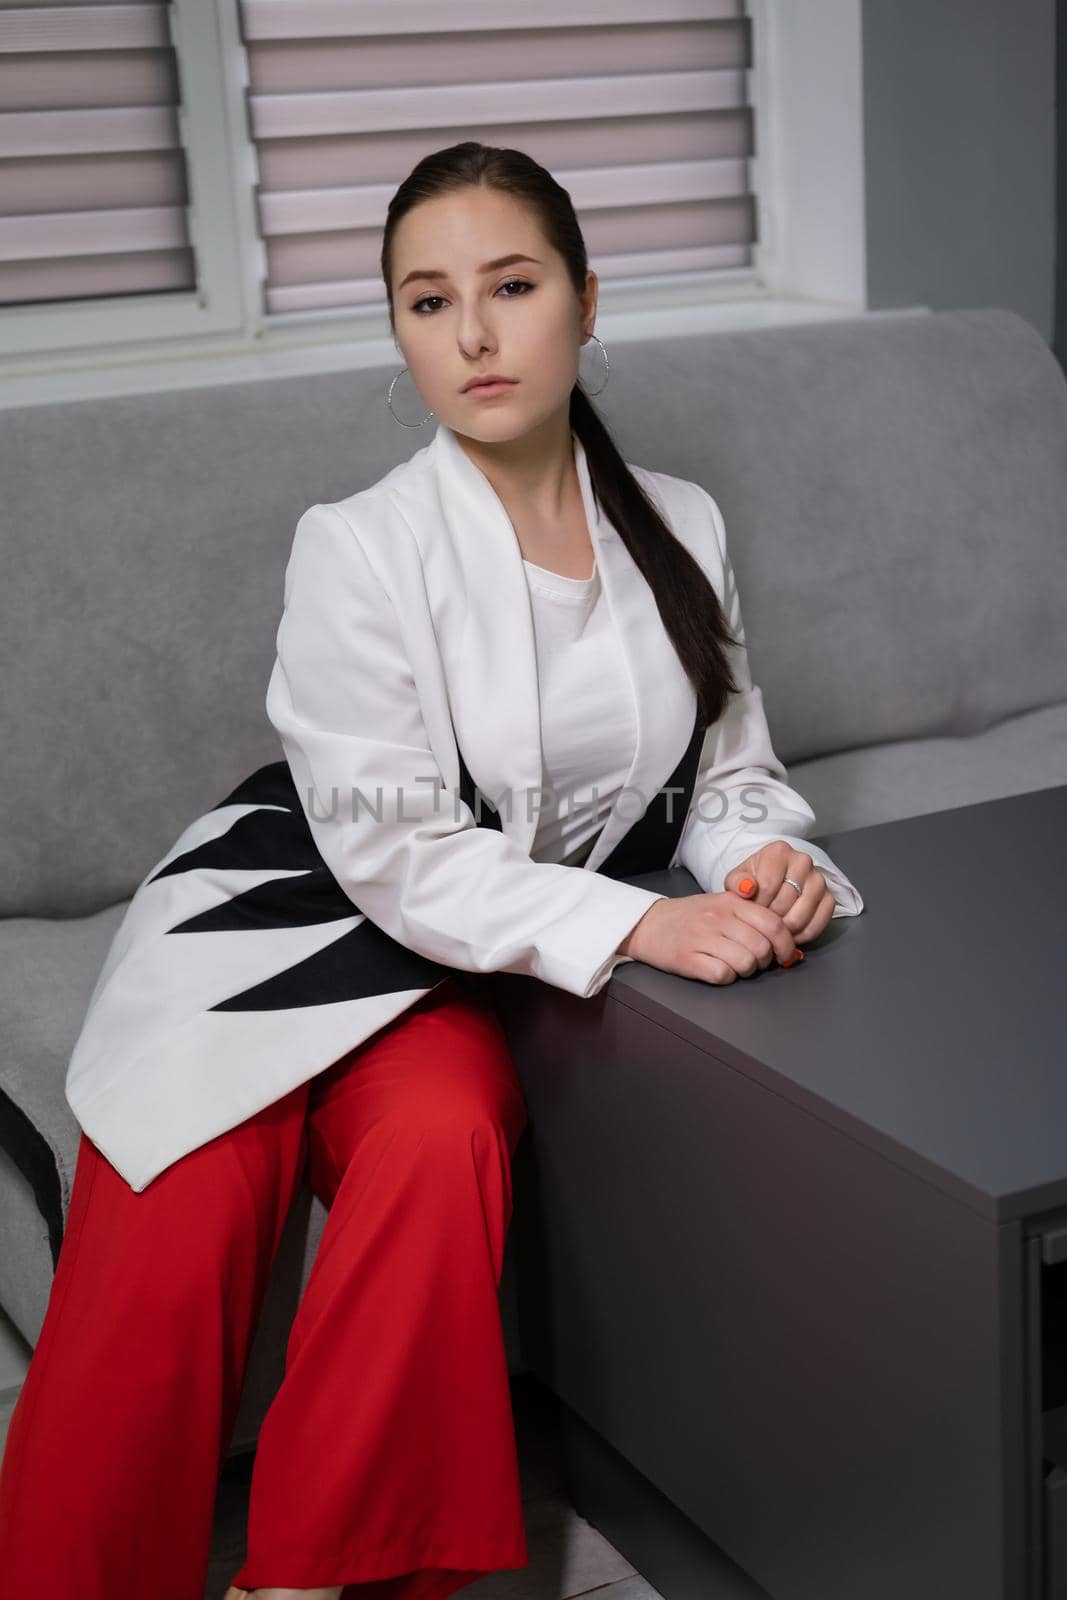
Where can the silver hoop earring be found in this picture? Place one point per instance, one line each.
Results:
(592, 393)
(389, 403)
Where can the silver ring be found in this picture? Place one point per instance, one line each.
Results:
(794, 884)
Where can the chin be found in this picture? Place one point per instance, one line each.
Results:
(490, 430)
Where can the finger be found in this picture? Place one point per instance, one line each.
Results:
(765, 886)
(819, 921)
(744, 961)
(797, 867)
(805, 905)
(746, 884)
(768, 923)
(709, 969)
(764, 869)
(757, 941)
(798, 909)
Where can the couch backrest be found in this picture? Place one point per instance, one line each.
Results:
(894, 490)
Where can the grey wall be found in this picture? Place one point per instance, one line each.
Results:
(960, 154)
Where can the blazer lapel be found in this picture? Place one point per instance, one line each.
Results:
(490, 660)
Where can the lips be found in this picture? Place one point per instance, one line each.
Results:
(486, 383)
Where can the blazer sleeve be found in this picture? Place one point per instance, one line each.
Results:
(408, 853)
(742, 798)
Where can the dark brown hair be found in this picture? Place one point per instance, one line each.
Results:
(687, 602)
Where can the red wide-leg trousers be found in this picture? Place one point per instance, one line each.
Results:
(387, 1460)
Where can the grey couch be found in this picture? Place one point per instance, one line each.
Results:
(895, 496)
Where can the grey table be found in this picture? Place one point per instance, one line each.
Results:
(793, 1250)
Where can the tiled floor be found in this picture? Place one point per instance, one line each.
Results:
(568, 1557)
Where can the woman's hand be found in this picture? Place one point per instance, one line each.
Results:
(805, 914)
(715, 937)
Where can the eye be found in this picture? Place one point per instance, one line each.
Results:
(511, 283)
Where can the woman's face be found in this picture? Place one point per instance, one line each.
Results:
(522, 320)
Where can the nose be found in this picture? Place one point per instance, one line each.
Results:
(475, 335)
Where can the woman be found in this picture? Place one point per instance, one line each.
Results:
(510, 675)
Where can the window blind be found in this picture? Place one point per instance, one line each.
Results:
(637, 107)
(93, 184)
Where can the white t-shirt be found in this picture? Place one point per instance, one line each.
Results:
(588, 720)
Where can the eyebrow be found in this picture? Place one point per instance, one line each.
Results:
(490, 266)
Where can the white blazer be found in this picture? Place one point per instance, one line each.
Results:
(330, 891)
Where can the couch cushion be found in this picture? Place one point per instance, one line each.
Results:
(146, 538)
(894, 492)
(859, 788)
(47, 973)
(26, 1269)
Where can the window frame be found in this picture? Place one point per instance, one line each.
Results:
(218, 304)
(802, 269)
